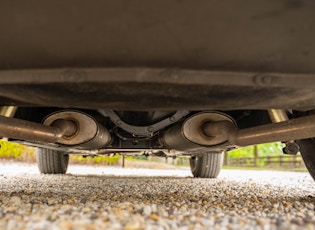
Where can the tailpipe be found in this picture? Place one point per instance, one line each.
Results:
(69, 128)
(298, 128)
(210, 129)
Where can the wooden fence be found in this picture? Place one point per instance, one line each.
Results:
(284, 161)
(280, 161)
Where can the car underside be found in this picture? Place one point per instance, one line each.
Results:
(165, 78)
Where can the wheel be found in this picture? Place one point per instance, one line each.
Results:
(52, 161)
(206, 166)
(307, 150)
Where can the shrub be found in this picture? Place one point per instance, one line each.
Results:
(16, 151)
(103, 160)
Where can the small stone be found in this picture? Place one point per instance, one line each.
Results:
(83, 201)
(15, 200)
(154, 217)
(237, 200)
(310, 206)
(86, 210)
(52, 217)
(286, 204)
(147, 210)
(276, 206)
(66, 224)
(154, 208)
(132, 226)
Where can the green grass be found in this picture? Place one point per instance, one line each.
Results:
(269, 149)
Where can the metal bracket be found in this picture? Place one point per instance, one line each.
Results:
(146, 131)
(280, 115)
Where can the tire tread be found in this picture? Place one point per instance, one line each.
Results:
(207, 166)
(51, 161)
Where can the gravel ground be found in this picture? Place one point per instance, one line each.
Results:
(114, 198)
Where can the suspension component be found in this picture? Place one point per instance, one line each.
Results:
(279, 115)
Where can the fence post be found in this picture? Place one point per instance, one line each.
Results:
(281, 160)
(255, 155)
(123, 162)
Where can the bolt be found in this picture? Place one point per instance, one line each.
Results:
(291, 148)
(118, 122)
(265, 80)
(172, 118)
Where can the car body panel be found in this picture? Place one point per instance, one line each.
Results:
(225, 35)
(156, 89)
(144, 55)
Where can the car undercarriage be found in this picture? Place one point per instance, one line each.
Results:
(166, 78)
(165, 133)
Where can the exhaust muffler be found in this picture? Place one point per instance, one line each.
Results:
(207, 130)
(189, 135)
(69, 128)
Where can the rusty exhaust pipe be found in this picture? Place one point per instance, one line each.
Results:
(212, 129)
(31, 131)
(299, 128)
(189, 135)
(68, 128)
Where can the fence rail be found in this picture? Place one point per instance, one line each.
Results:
(271, 161)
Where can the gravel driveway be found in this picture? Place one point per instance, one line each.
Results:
(115, 198)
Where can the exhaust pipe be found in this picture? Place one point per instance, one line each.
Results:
(31, 131)
(202, 130)
(70, 128)
(299, 128)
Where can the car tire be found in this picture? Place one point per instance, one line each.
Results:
(307, 150)
(206, 166)
(52, 161)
